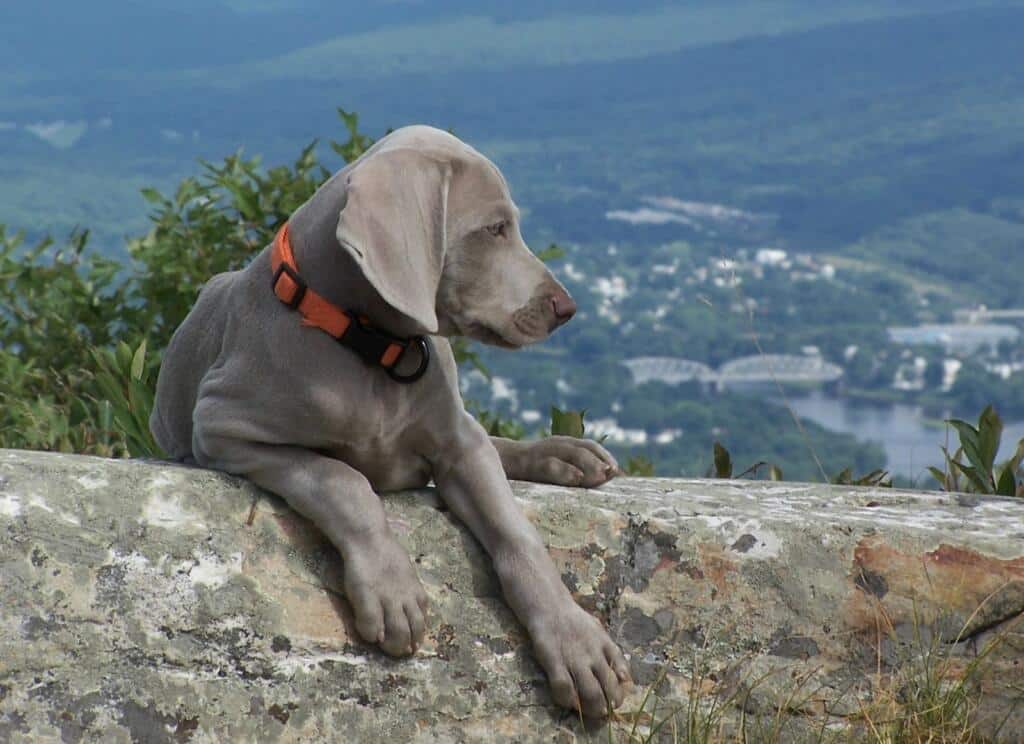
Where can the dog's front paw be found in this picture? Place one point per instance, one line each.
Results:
(387, 597)
(585, 668)
(568, 461)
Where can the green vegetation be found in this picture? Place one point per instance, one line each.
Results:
(490, 43)
(981, 247)
(722, 466)
(832, 122)
(975, 386)
(981, 474)
(840, 129)
(75, 374)
(83, 335)
(126, 386)
(58, 306)
(86, 386)
(930, 695)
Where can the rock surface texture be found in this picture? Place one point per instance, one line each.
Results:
(153, 602)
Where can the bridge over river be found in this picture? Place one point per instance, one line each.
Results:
(753, 369)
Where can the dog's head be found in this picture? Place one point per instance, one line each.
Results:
(432, 225)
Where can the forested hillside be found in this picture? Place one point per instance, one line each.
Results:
(664, 146)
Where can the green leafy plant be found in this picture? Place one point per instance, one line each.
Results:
(722, 467)
(875, 479)
(495, 424)
(552, 253)
(123, 378)
(83, 334)
(75, 373)
(56, 305)
(639, 466)
(571, 424)
(980, 445)
(357, 143)
(567, 423)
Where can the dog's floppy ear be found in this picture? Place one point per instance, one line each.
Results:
(393, 226)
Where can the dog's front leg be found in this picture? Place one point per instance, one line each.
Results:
(380, 582)
(585, 668)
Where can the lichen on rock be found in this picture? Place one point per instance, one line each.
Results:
(154, 602)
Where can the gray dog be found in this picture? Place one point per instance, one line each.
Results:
(418, 237)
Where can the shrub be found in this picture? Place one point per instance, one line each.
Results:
(81, 335)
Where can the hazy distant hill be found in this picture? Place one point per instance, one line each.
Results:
(64, 37)
(839, 118)
(873, 142)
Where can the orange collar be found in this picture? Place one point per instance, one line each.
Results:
(376, 347)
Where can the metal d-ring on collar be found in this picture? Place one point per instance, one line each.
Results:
(420, 370)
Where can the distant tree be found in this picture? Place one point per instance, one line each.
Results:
(973, 388)
(81, 335)
(935, 373)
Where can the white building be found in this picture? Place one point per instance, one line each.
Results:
(771, 257)
(955, 338)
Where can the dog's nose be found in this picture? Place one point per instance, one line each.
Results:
(563, 305)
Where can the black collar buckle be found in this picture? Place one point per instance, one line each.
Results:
(371, 344)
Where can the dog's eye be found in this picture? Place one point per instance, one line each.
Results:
(497, 229)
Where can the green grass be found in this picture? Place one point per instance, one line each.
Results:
(932, 696)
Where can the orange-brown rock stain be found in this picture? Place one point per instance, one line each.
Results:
(717, 568)
(310, 604)
(911, 587)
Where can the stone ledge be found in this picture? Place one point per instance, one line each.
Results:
(155, 602)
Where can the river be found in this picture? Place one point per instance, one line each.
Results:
(910, 444)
